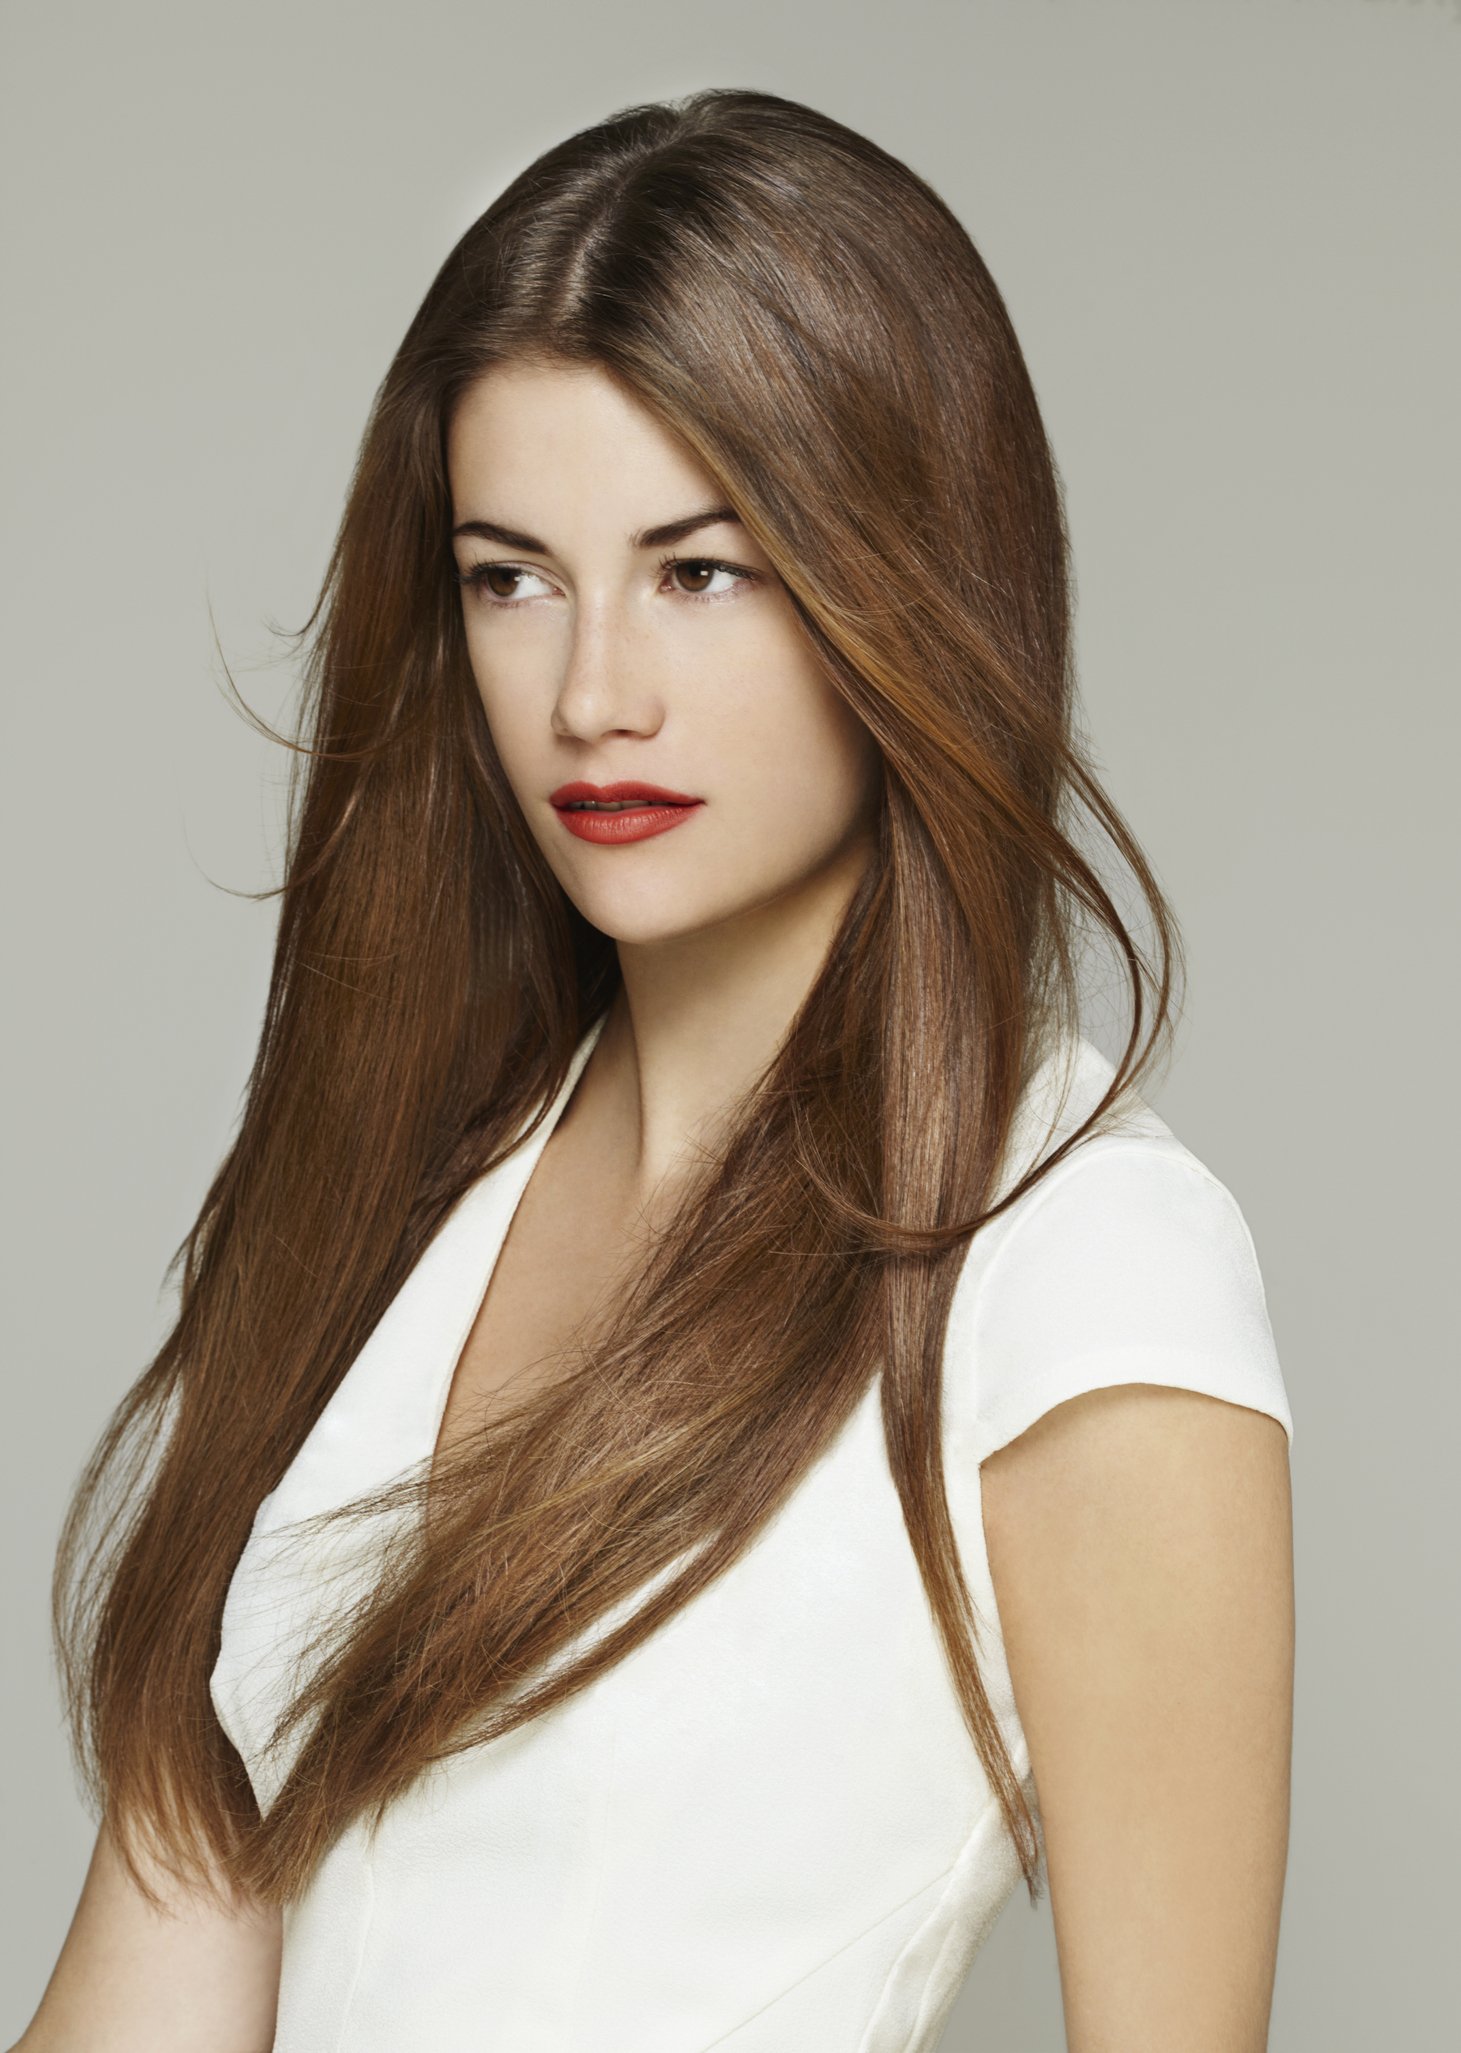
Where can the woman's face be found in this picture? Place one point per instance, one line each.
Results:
(601, 660)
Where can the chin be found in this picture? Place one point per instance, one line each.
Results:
(643, 930)
(654, 918)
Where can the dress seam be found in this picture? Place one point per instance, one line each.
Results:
(591, 1914)
(366, 1924)
(990, 1818)
(827, 1958)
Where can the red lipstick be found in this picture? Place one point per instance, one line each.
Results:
(637, 810)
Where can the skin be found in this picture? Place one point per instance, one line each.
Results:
(594, 662)
(595, 659)
(199, 1976)
(1140, 1546)
(1139, 1538)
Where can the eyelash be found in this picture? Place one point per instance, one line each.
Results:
(476, 578)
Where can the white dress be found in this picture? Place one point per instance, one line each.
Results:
(767, 1829)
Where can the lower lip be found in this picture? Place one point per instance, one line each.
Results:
(636, 824)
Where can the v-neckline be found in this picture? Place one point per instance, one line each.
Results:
(506, 1186)
(384, 1418)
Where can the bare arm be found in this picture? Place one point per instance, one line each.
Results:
(199, 1979)
(1140, 1544)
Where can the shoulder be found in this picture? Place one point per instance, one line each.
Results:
(1113, 1356)
(1130, 1262)
(1139, 1541)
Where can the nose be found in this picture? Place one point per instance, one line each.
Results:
(607, 682)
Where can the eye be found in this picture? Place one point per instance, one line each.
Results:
(735, 572)
(478, 580)
(501, 584)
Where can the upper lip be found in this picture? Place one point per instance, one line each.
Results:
(627, 787)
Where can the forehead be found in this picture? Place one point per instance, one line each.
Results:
(545, 435)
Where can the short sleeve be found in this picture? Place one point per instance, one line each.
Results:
(1132, 1264)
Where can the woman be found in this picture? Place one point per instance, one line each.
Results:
(681, 1256)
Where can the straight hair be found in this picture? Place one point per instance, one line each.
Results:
(813, 321)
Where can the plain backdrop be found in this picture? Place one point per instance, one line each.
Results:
(1221, 227)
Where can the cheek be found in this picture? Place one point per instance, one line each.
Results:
(793, 754)
(512, 721)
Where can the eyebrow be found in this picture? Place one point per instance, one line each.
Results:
(662, 537)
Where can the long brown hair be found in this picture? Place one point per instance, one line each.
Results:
(811, 318)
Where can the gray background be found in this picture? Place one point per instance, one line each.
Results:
(1221, 231)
